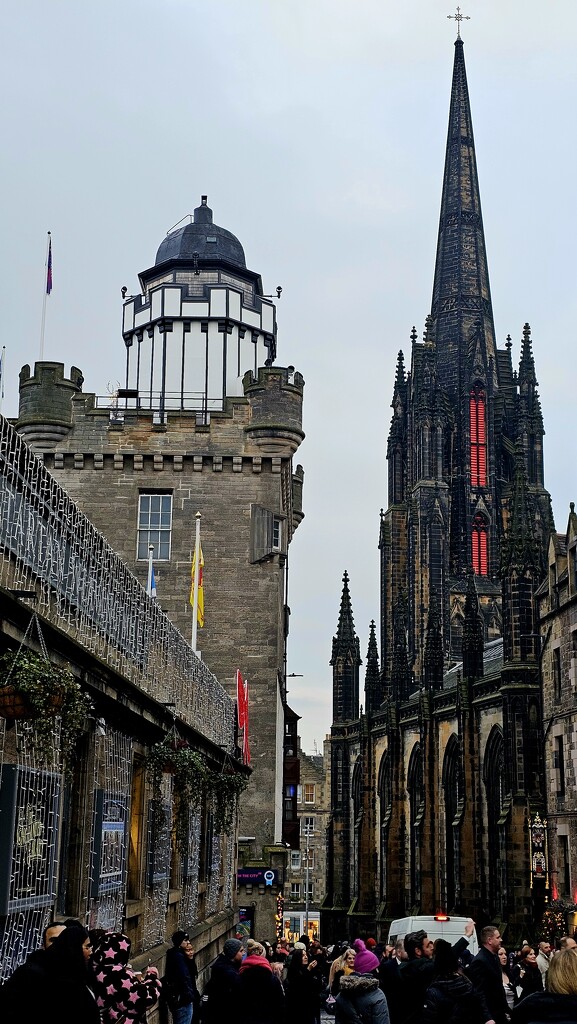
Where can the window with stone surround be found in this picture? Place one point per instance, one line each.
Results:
(295, 891)
(309, 792)
(479, 545)
(295, 860)
(478, 436)
(154, 525)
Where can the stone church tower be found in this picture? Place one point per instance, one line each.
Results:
(456, 417)
(435, 781)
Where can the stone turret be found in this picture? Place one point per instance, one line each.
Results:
(275, 396)
(45, 409)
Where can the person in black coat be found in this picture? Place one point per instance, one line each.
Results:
(260, 997)
(55, 989)
(487, 977)
(530, 977)
(558, 1005)
(418, 972)
(178, 984)
(303, 988)
(451, 997)
(219, 999)
(390, 984)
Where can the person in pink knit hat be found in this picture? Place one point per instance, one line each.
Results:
(365, 961)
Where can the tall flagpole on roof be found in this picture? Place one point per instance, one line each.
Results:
(47, 290)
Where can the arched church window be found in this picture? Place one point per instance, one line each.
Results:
(385, 805)
(494, 779)
(479, 545)
(478, 436)
(416, 813)
(453, 807)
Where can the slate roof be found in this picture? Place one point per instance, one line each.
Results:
(205, 239)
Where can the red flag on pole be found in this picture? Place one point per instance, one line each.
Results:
(242, 711)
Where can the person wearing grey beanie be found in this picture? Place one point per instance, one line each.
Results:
(231, 948)
(220, 992)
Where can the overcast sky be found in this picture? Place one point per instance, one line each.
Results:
(317, 128)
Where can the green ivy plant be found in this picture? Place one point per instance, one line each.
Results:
(194, 780)
(48, 691)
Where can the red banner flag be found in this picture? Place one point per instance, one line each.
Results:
(242, 711)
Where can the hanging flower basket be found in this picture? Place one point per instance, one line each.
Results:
(193, 780)
(14, 704)
(32, 687)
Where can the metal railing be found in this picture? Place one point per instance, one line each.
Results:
(48, 545)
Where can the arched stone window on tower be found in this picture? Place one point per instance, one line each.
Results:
(385, 808)
(480, 544)
(478, 436)
(494, 779)
(416, 813)
(453, 808)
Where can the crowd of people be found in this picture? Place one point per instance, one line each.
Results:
(81, 977)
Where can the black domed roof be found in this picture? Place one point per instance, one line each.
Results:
(202, 240)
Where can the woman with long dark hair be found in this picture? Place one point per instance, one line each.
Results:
(302, 988)
(508, 984)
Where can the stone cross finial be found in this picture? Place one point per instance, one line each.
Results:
(458, 17)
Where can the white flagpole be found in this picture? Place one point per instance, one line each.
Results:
(2, 374)
(196, 577)
(43, 325)
(149, 580)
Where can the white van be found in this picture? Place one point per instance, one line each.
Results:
(440, 926)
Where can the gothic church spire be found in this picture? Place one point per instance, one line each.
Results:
(373, 688)
(345, 661)
(461, 292)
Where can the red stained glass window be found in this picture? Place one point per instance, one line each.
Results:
(478, 434)
(479, 545)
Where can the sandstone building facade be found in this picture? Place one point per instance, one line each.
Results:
(558, 607)
(205, 422)
(90, 842)
(436, 778)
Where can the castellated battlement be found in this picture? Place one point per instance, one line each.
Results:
(275, 398)
(266, 422)
(45, 409)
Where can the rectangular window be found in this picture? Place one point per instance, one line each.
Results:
(289, 803)
(309, 861)
(559, 764)
(299, 794)
(295, 891)
(309, 790)
(154, 526)
(479, 546)
(295, 860)
(276, 533)
(266, 533)
(310, 892)
(307, 826)
(564, 873)
(557, 672)
(478, 434)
